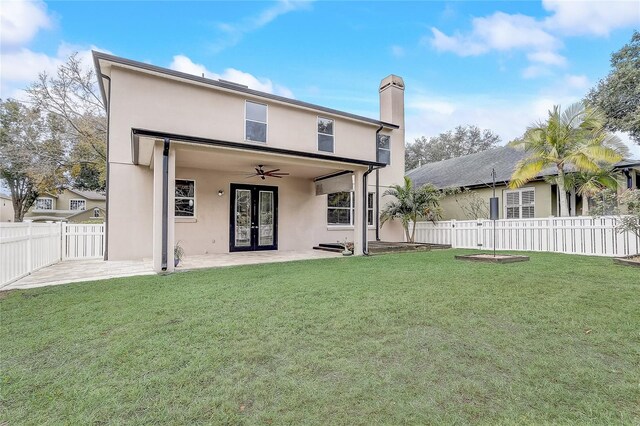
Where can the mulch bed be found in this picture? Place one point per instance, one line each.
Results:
(490, 258)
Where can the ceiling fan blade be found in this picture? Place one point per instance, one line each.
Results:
(271, 171)
(259, 171)
(278, 174)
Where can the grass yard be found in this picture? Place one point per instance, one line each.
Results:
(393, 339)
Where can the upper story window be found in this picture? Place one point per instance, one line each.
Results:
(77, 204)
(96, 212)
(325, 134)
(520, 204)
(255, 128)
(384, 149)
(44, 204)
(185, 198)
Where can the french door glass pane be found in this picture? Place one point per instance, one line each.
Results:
(243, 218)
(265, 221)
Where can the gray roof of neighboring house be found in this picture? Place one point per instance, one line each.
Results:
(89, 195)
(475, 169)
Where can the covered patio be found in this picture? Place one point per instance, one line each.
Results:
(227, 205)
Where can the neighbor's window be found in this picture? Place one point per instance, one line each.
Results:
(185, 198)
(340, 208)
(96, 212)
(325, 134)
(77, 204)
(44, 204)
(255, 128)
(384, 149)
(520, 204)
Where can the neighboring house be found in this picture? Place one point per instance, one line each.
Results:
(6, 208)
(70, 205)
(188, 162)
(535, 199)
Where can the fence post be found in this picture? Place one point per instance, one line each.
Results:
(62, 240)
(551, 234)
(452, 237)
(29, 247)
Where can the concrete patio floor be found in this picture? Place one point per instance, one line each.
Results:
(92, 270)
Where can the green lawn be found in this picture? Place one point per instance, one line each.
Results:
(394, 339)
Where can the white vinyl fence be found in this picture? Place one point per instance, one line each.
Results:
(26, 247)
(596, 236)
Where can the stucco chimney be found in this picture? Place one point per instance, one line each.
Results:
(392, 100)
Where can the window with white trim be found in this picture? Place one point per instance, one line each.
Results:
(384, 149)
(44, 204)
(325, 134)
(77, 204)
(370, 200)
(185, 198)
(520, 203)
(255, 127)
(341, 209)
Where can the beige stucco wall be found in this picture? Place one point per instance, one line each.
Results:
(543, 205)
(148, 102)
(6, 210)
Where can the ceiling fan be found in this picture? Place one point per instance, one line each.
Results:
(275, 173)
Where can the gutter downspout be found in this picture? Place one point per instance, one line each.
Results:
(365, 199)
(165, 201)
(106, 205)
(377, 189)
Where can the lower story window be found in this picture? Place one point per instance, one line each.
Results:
(340, 208)
(185, 198)
(520, 204)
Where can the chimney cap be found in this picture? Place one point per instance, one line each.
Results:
(392, 80)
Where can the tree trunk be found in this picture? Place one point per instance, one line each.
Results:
(564, 205)
(413, 231)
(585, 205)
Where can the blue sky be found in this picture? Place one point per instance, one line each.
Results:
(499, 65)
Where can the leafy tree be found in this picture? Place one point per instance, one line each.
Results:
(618, 94)
(471, 204)
(31, 154)
(571, 140)
(461, 141)
(410, 205)
(625, 205)
(72, 95)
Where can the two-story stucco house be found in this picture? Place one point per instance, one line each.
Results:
(220, 167)
(68, 205)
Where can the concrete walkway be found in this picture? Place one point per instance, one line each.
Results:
(91, 270)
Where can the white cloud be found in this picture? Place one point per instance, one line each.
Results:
(580, 82)
(591, 17)
(499, 31)
(397, 51)
(234, 32)
(22, 67)
(20, 21)
(540, 39)
(547, 57)
(184, 64)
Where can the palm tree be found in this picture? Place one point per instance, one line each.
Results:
(571, 140)
(410, 205)
(589, 184)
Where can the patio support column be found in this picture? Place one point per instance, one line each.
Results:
(358, 243)
(163, 186)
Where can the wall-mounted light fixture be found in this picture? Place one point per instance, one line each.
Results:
(220, 193)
